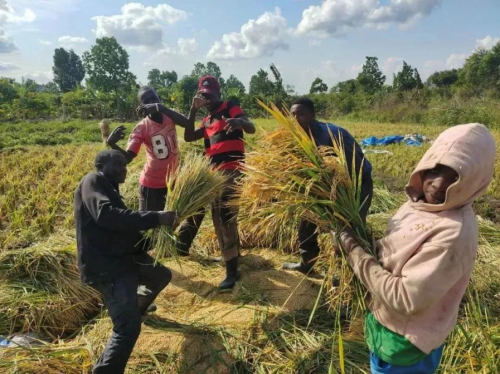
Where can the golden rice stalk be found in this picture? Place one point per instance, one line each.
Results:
(192, 188)
(47, 359)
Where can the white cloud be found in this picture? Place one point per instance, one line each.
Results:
(257, 38)
(187, 46)
(66, 39)
(7, 66)
(455, 61)
(392, 65)
(45, 42)
(42, 77)
(487, 42)
(138, 25)
(8, 15)
(6, 43)
(147, 64)
(337, 17)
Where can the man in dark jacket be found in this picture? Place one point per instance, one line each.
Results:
(322, 133)
(112, 255)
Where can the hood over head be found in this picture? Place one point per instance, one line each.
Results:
(470, 151)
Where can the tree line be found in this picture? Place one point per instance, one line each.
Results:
(99, 84)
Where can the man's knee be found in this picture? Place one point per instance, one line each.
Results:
(163, 276)
(127, 325)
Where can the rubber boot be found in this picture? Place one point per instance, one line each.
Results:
(297, 266)
(232, 275)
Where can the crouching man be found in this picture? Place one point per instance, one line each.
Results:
(112, 255)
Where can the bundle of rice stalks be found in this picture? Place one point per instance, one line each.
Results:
(41, 292)
(47, 359)
(105, 130)
(192, 188)
(299, 181)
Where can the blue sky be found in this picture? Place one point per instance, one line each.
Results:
(305, 39)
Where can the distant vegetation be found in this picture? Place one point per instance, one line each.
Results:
(100, 85)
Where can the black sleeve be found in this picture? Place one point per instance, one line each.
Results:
(98, 205)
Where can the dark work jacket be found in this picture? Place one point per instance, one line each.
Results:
(108, 234)
(321, 134)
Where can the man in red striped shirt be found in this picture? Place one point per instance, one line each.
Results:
(222, 132)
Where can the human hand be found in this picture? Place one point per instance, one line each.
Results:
(117, 135)
(345, 242)
(232, 124)
(199, 102)
(148, 109)
(169, 218)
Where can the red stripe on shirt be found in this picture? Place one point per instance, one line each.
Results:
(226, 146)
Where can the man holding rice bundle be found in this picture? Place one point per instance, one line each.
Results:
(423, 265)
(112, 255)
(322, 133)
(222, 132)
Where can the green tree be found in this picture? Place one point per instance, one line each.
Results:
(8, 90)
(169, 78)
(318, 86)
(68, 69)
(445, 78)
(371, 78)
(473, 73)
(50, 87)
(349, 86)
(234, 83)
(211, 68)
(159, 79)
(260, 84)
(154, 78)
(407, 79)
(107, 65)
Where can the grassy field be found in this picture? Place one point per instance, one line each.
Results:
(263, 325)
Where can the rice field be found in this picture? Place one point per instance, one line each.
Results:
(272, 322)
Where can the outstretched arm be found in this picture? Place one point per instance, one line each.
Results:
(117, 135)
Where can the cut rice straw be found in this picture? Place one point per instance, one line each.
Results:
(192, 188)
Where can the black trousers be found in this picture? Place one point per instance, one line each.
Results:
(152, 199)
(224, 219)
(308, 235)
(125, 308)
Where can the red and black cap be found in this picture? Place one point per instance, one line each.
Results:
(209, 84)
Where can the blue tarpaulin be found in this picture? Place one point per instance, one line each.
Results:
(372, 141)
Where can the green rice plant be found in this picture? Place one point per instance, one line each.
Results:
(192, 188)
(46, 359)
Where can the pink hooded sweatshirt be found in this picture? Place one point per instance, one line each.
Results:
(426, 259)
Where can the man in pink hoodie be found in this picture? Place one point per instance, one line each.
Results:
(424, 263)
